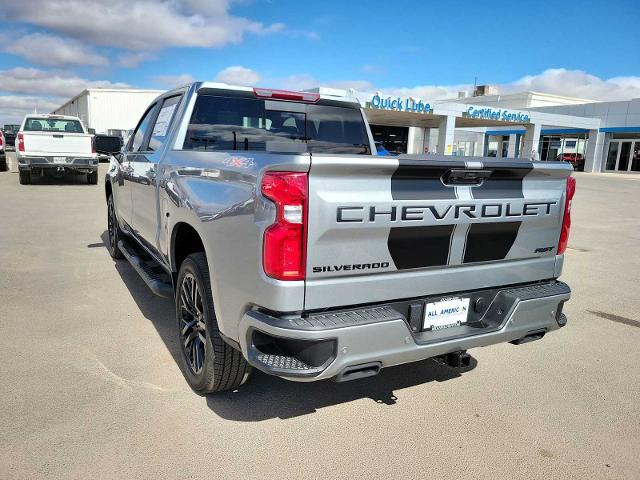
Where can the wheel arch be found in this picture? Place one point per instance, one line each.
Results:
(185, 240)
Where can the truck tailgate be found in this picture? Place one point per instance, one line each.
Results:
(64, 144)
(383, 228)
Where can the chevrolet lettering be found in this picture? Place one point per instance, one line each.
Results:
(418, 213)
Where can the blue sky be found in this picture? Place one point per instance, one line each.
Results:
(52, 49)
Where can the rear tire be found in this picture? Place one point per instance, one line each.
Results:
(113, 229)
(3, 165)
(209, 364)
(25, 177)
(92, 178)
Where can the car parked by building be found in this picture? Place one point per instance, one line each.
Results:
(10, 131)
(575, 159)
(3, 155)
(55, 145)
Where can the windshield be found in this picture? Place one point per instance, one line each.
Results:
(52, 125)
(232, 123)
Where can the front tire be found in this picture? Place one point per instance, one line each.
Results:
(209, 363)
(92, 178)
(25, 177)
(113, 229)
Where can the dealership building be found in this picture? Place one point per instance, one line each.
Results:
(604, 136)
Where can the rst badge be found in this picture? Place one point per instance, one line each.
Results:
(448, 312)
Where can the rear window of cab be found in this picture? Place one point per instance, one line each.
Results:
(235, 123)
(52, 125)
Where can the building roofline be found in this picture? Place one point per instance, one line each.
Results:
(586, 100)
(150, 90)
(97, 89)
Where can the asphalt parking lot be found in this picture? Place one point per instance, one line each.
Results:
(90, 386)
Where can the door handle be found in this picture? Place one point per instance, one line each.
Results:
(465, 177)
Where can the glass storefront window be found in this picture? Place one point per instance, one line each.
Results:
(625, 150)
(635, 160)
(612, 156)
(394, 139)
(623, 155)
(492, 149)
(560, 147)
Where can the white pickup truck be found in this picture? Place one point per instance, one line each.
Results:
(56, 145)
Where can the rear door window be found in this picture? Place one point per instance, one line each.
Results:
(141, 130)
(163, 122)
(236, 123)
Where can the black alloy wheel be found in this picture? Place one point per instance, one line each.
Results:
(193, 330)
(113, 230)
(209, 363)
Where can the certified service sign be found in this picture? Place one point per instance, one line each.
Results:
(503, 115)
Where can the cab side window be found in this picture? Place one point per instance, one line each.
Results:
(140, 133)
(163, 122)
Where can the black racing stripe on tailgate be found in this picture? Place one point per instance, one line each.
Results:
(490, 241)
(505, 181)
(417, 247)
(420, 182)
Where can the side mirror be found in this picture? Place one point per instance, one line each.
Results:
(119, 156)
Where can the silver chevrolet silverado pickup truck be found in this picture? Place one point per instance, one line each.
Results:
(290, 247)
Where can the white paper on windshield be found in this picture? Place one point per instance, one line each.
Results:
(164, 118)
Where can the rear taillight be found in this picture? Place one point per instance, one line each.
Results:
(566, 220)
(20, 143)
(307, 97)
(93, 144)
(285, 242)
(1, 139)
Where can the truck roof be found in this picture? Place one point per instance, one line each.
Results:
(240, 88)
(51, 116)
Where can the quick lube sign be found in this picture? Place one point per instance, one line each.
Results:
(503, 115)
(400, 104)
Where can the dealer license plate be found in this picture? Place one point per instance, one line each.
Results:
(446, 313)
(59, 159)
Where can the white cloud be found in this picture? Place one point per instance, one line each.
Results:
(173, 81)
(429, 92)
(306, 81)
(54, 51)
(33, 81)
(13, 108)
(298, 82)
(572, 83)
(237, 75)
(139, 24)
(360, 85)
(27, 88)
(576, 83)
(24, 89)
